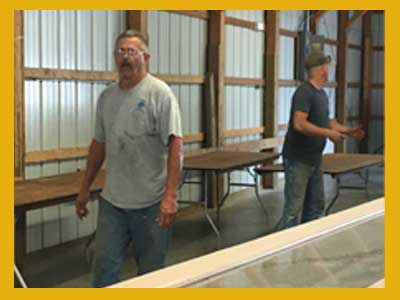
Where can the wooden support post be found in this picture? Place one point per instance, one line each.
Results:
(366, 71)
(19, 122)
(137, 20)
(215, 95)
(19, 131)
(271, 60)
(341, 77)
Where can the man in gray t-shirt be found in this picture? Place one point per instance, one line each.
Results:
(309, 127)
(139, 136)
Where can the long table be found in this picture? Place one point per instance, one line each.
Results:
(336, 165)
(225, 162)
(40, 193)
(48, 191)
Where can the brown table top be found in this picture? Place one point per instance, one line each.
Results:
(41, 192)
(34, 193)
(225, 160)
(336, 163)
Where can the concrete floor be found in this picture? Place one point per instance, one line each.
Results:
(241, 220)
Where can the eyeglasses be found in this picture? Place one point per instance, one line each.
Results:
(130, 51)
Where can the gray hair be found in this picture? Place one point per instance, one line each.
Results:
(130, 33)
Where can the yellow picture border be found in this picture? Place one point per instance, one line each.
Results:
(392, 151)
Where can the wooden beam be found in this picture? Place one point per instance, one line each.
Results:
(19, 130)
(330, 84)
(200, 14)
(354, 85)
(243, 132)
(354, 18)
(215, 68)
(271, 76)
(245, 81)
(341, 77)
(366, 74)
(193, 138)
(35, 157)
(356, 47)
(378, 48)
(314, 20)
(187, 79)
(331, 42)
(377, 85)
(257, 145)
(62, 74)
(19, 117)
(291, 82)
(137, 20)
(62, 154)
(288, 33)
(288, 82)
(243, 23)
(216, 65)
(282, 127)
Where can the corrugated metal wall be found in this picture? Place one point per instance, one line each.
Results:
(244, 50)
(178, 46)
(376, 137)
(60, 114)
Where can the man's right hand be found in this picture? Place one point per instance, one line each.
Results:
(335, 136)
(80, 205)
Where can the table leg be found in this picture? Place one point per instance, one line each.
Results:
(367, 183)
(19, 277)
(335, 197)
(205, 192)
(20, 244)
(257, 191)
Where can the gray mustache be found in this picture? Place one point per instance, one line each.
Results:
(126, 64)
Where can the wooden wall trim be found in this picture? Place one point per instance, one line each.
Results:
(200, 14)
(243, 23)
(243, 131)
(81, 75)
(245, 81)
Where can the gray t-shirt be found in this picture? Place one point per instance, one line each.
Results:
(300, 147)
(136, 125)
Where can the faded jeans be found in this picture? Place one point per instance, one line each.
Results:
(116, 228)
(304, 193)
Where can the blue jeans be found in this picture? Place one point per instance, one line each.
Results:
(116, 228)
(304, 193)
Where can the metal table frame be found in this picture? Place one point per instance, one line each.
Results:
(205, 172)
(337, 177)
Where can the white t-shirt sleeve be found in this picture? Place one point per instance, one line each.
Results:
(170, 118)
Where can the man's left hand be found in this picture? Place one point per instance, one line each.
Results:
(167, 212)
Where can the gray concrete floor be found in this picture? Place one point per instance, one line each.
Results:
(241, 220)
